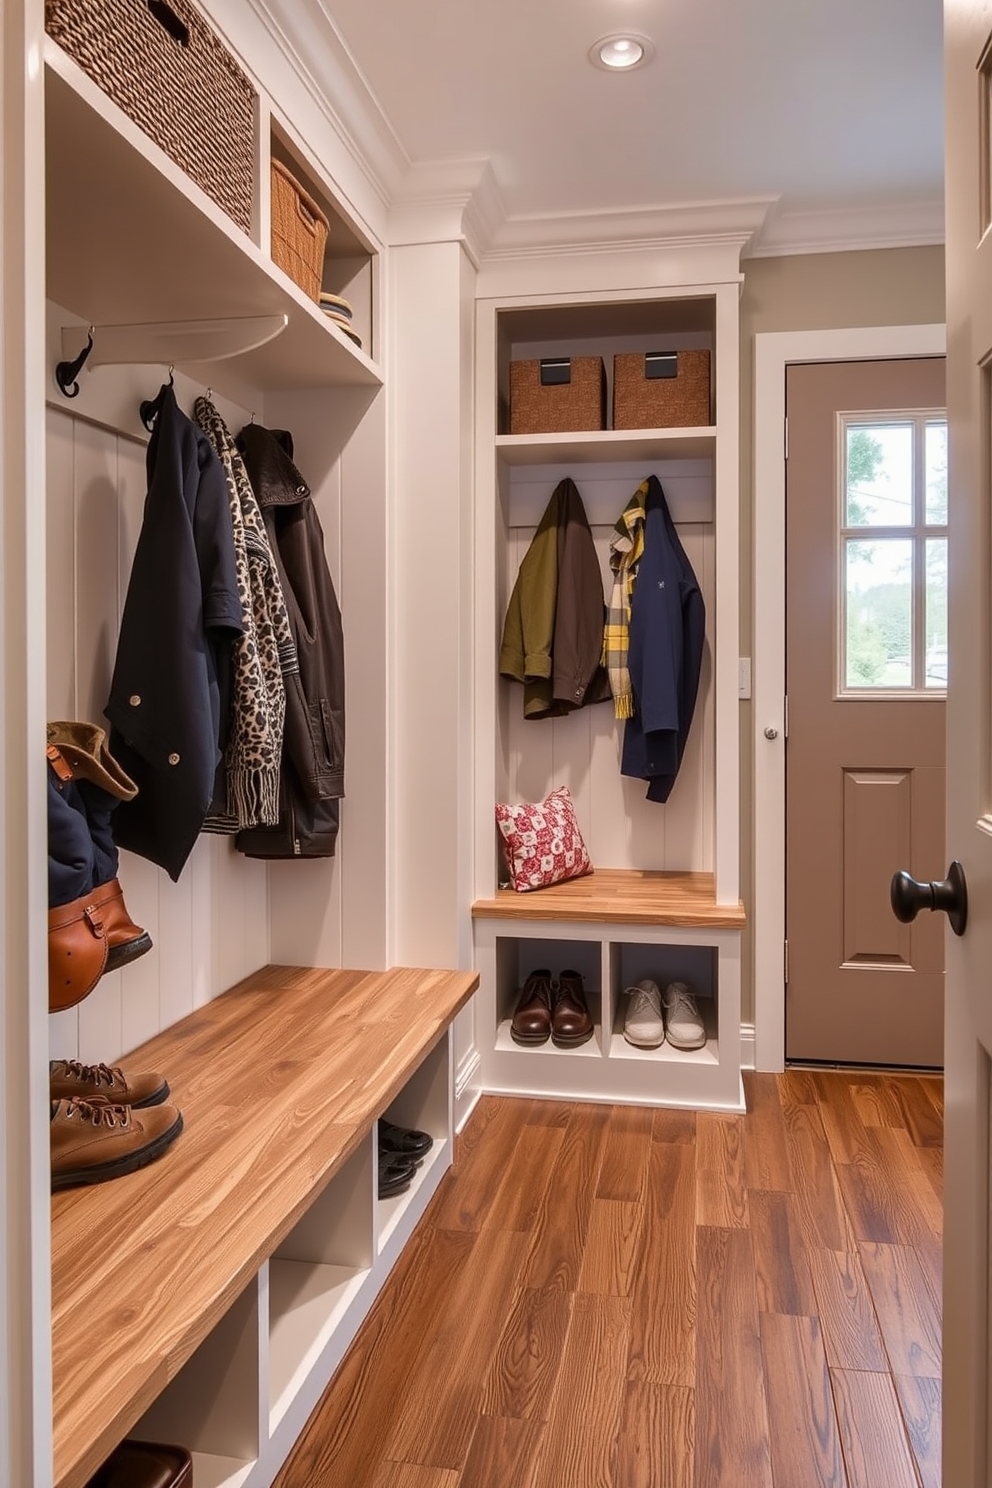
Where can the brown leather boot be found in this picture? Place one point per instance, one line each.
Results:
(93, 1140)
(571, 1021)
(70, 1080)
(126, 941)
(77, 952)
(531, 1023)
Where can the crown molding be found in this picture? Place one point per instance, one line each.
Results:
(460, 200)
(849, 229)
(680, 224)
(445, 200)
(305, 29)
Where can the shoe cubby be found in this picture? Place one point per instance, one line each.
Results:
(315, 1278)
(695, 965)
(614, 935)
(214, 1406)
(423, 1104)
(517, 959)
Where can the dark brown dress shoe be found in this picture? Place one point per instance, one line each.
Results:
(531, 1023)
(571, 1021)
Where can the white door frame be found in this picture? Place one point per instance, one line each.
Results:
(773, 353)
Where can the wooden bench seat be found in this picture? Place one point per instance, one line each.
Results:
(620, 896)
(279, 1080)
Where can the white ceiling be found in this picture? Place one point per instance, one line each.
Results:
(825, 115)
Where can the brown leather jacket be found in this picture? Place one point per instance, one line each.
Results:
(312, 774)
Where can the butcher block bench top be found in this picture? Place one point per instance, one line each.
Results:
(279, 1080)
(620, 896)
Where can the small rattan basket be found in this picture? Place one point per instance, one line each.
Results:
(161, 63)
(661, 390)
(556, 394)
(299, 231)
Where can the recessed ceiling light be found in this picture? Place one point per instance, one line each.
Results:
(621, 53)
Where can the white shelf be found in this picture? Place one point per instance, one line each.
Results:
(158, 249)
(620, 1050)
(393, 1211)
(219, 1472)
(607, 445)
(591, 1049)
(307, 1302)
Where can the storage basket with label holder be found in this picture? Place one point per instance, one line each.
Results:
(554, 395)
(160, 62)
(661, 390)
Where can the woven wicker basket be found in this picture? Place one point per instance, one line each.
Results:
(299, 231)
(661, 390)
(556, 394)
(162, 64)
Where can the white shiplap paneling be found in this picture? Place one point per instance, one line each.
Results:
(211, 928)
(582, 750)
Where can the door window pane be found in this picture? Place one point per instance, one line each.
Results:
(893, 553)
(936, 613)
(935, 465)
(879, 475)
(879, 603)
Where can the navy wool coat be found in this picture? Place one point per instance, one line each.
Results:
(170, 693)
(667, 631)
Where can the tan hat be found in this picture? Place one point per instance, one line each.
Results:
(82, 750)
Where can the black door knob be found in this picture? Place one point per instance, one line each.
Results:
(909, 896)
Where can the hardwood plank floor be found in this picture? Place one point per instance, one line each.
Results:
(611, 1297)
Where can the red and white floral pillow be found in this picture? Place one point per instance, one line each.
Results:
(542, 842)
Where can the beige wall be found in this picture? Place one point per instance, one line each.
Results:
(821, 291)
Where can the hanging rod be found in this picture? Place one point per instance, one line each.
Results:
(171, 342)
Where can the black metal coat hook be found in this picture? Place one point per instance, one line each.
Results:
(148, 408)
(67, 372)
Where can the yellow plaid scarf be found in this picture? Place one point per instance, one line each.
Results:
(626, 548)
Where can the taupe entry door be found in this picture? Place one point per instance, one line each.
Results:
(866, 666)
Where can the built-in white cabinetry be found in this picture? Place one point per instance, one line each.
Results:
(228, 1347)
(267, 1243)
(679, 861)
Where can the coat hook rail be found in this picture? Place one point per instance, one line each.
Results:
(169, 342)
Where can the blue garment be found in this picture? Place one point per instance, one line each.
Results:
(170, 695)
(78, 862)
(667, 631)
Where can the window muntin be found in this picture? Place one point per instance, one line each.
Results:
(893, 554)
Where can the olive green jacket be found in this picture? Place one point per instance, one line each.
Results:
(553, 632)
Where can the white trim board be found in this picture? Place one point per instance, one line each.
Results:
(773, 353)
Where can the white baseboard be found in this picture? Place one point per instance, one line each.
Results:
(467, 1090)
(747, 1046)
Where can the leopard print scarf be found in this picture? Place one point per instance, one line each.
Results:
(264, 653)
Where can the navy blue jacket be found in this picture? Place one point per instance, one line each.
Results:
(667, 630)
(170, 694)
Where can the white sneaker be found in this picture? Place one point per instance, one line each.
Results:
(644, 1024)
(683, 1024)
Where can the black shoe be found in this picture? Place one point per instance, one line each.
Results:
(394, 1176)
(403, 1141)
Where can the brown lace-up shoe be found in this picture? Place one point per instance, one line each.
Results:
(93, 1140)
(531, 1023)
(571, 1021)
(70, 1080)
